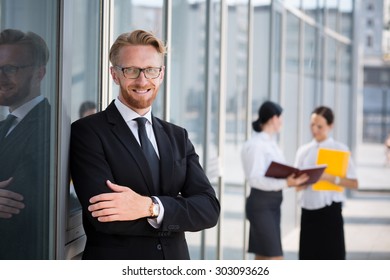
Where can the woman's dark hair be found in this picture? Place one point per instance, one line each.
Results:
(266, 111)
(326, 113)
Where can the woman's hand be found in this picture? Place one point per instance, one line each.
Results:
(292, 180)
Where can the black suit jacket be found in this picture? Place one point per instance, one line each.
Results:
(24, 155)
(103, 147)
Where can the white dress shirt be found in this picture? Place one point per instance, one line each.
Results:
(307, 156)
(256, 155)
(129, 115)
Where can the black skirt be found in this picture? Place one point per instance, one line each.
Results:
(263, 213)
(322, 234)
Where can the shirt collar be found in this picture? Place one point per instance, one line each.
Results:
(264, 136)
(324, 143)
(23, 110)
(128, 114)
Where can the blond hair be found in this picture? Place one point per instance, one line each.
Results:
(137, 37)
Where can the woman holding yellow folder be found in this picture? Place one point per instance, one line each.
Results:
(263, 203)
(322, 225)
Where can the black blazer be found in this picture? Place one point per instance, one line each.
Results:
(25, 156)
(103, 147)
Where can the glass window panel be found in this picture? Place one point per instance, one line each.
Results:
(261, 54)
(28, 153)
(376, 100)
(236, 107)
(330, 82)
(85, 91)
(140, 14)
(310, 8)
(346, 18)
(276, 58)
(290, 98)
(188, 73)
(309, 50)
(213, 164)
(292, 43)
(294, 3)
(332, 14)
(309, 91)
(345, 75)
(320, 11)
(343, 113)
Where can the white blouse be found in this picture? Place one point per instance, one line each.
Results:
(256, 155)
(307, 156)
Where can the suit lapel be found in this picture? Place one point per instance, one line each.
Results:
(38, 117)
(123, 133)
(166, 156)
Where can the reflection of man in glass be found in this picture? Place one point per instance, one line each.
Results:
(24, 147)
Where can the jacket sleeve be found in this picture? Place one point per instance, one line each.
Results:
(196, 206)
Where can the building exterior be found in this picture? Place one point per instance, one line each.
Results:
(376, 49)
(224, 59)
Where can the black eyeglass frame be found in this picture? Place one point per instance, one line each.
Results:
(13, 69)
(123, 69)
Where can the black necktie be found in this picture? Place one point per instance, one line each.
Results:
(6, 126)
(149, 153)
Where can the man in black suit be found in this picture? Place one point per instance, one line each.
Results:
(138, 202)
(24, 147)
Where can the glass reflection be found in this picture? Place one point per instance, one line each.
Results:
(24, 148)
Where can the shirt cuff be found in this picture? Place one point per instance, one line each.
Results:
(156, 222)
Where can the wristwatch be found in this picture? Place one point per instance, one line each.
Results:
(154, 208)
(337, 180)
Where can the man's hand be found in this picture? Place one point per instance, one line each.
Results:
(122, 205)
(10, 202)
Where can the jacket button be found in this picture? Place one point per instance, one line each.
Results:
(159, 247)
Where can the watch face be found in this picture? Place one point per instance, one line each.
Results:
(156, 210)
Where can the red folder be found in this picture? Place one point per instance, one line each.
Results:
(282, 171)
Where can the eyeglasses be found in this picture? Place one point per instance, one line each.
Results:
(10, 70)
(134, 72)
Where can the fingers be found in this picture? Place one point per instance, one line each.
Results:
(10, 204)
(105, 211)
(302, 179)
(5, 183)
(100, 205)
(6, 194)
(296, 181)
(100, 212)
(110, 218)
(7, 212)
(109, 196)
(102, 197)
(115, 187)
(120, 205)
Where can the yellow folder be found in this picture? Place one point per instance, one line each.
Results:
(337, 162)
